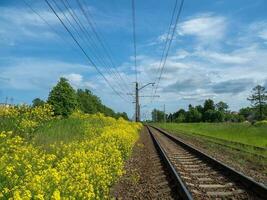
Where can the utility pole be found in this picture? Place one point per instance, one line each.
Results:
(136, 102)
(137, 96)
(137, 105)
(6, 100)
(11, 100)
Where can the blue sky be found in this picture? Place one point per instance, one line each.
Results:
(219, 51)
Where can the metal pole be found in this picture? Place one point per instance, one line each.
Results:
(6, 100)
(136, 102)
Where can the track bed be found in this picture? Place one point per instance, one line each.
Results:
(202, 177)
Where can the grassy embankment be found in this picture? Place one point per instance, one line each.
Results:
(43, 157)
(243, 136)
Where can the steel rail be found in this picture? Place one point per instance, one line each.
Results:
(250, 185)
(181, 188)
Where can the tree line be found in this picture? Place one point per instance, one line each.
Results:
(219, 112)
(65, 99)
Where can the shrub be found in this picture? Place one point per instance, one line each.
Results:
(261, 123)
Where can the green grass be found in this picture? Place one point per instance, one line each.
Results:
(59, 130)
(234, 132)
(237, 142)
(7, 124)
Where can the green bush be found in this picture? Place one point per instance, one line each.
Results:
(261, 123)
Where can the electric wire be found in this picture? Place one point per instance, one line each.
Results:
(83, 51)
(134, 37)
(169, 45)
(101, 40)
(70, 44)
(88, 39)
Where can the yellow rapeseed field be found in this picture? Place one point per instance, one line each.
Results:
(80, 169)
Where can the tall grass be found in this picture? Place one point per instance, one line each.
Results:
(63, 130)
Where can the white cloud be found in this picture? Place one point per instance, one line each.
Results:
(259, 29)
(77, 80)
(205, 27)
(33, 74)
(227, 58)
(20, 23)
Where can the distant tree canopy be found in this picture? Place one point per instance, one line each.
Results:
(37, 102)
(65, 100)
(219, 112)
(157, 116)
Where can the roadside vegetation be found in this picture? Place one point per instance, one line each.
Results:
(54, 150)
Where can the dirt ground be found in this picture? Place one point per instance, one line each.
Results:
(143, 171)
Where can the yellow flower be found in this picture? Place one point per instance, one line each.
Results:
(56, 195)
(79, 169)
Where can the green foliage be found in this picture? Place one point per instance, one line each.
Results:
(248, 113)
(157, 115)
(258, 98)
(209, 105)
(193, 115)
(123, 115)
(63, 98)
(261, 123)
(213, 116)
(88, 103)
(207, 113)
(57, 130)
(91, 104)
(211, 112)
(37, 102)
(234, 117)
(222, 106)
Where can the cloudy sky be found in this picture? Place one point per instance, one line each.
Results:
(219, 51)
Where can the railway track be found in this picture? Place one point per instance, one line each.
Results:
(199, 176)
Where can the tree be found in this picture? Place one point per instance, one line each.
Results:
(63, 98)
(258, 99)
(170, 118)
(157, 115)
(200, 108)
(193, 115)
(123, 115)
(88, 103)
(179, 116)
(248, 113)
(37, 102)
(213, 116)
(222, 106)
(208, 105)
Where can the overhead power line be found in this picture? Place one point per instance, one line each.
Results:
(101, 40)
(167, 39)
(82, 49)
(88, 39)
(134, 37)
(168, 43)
